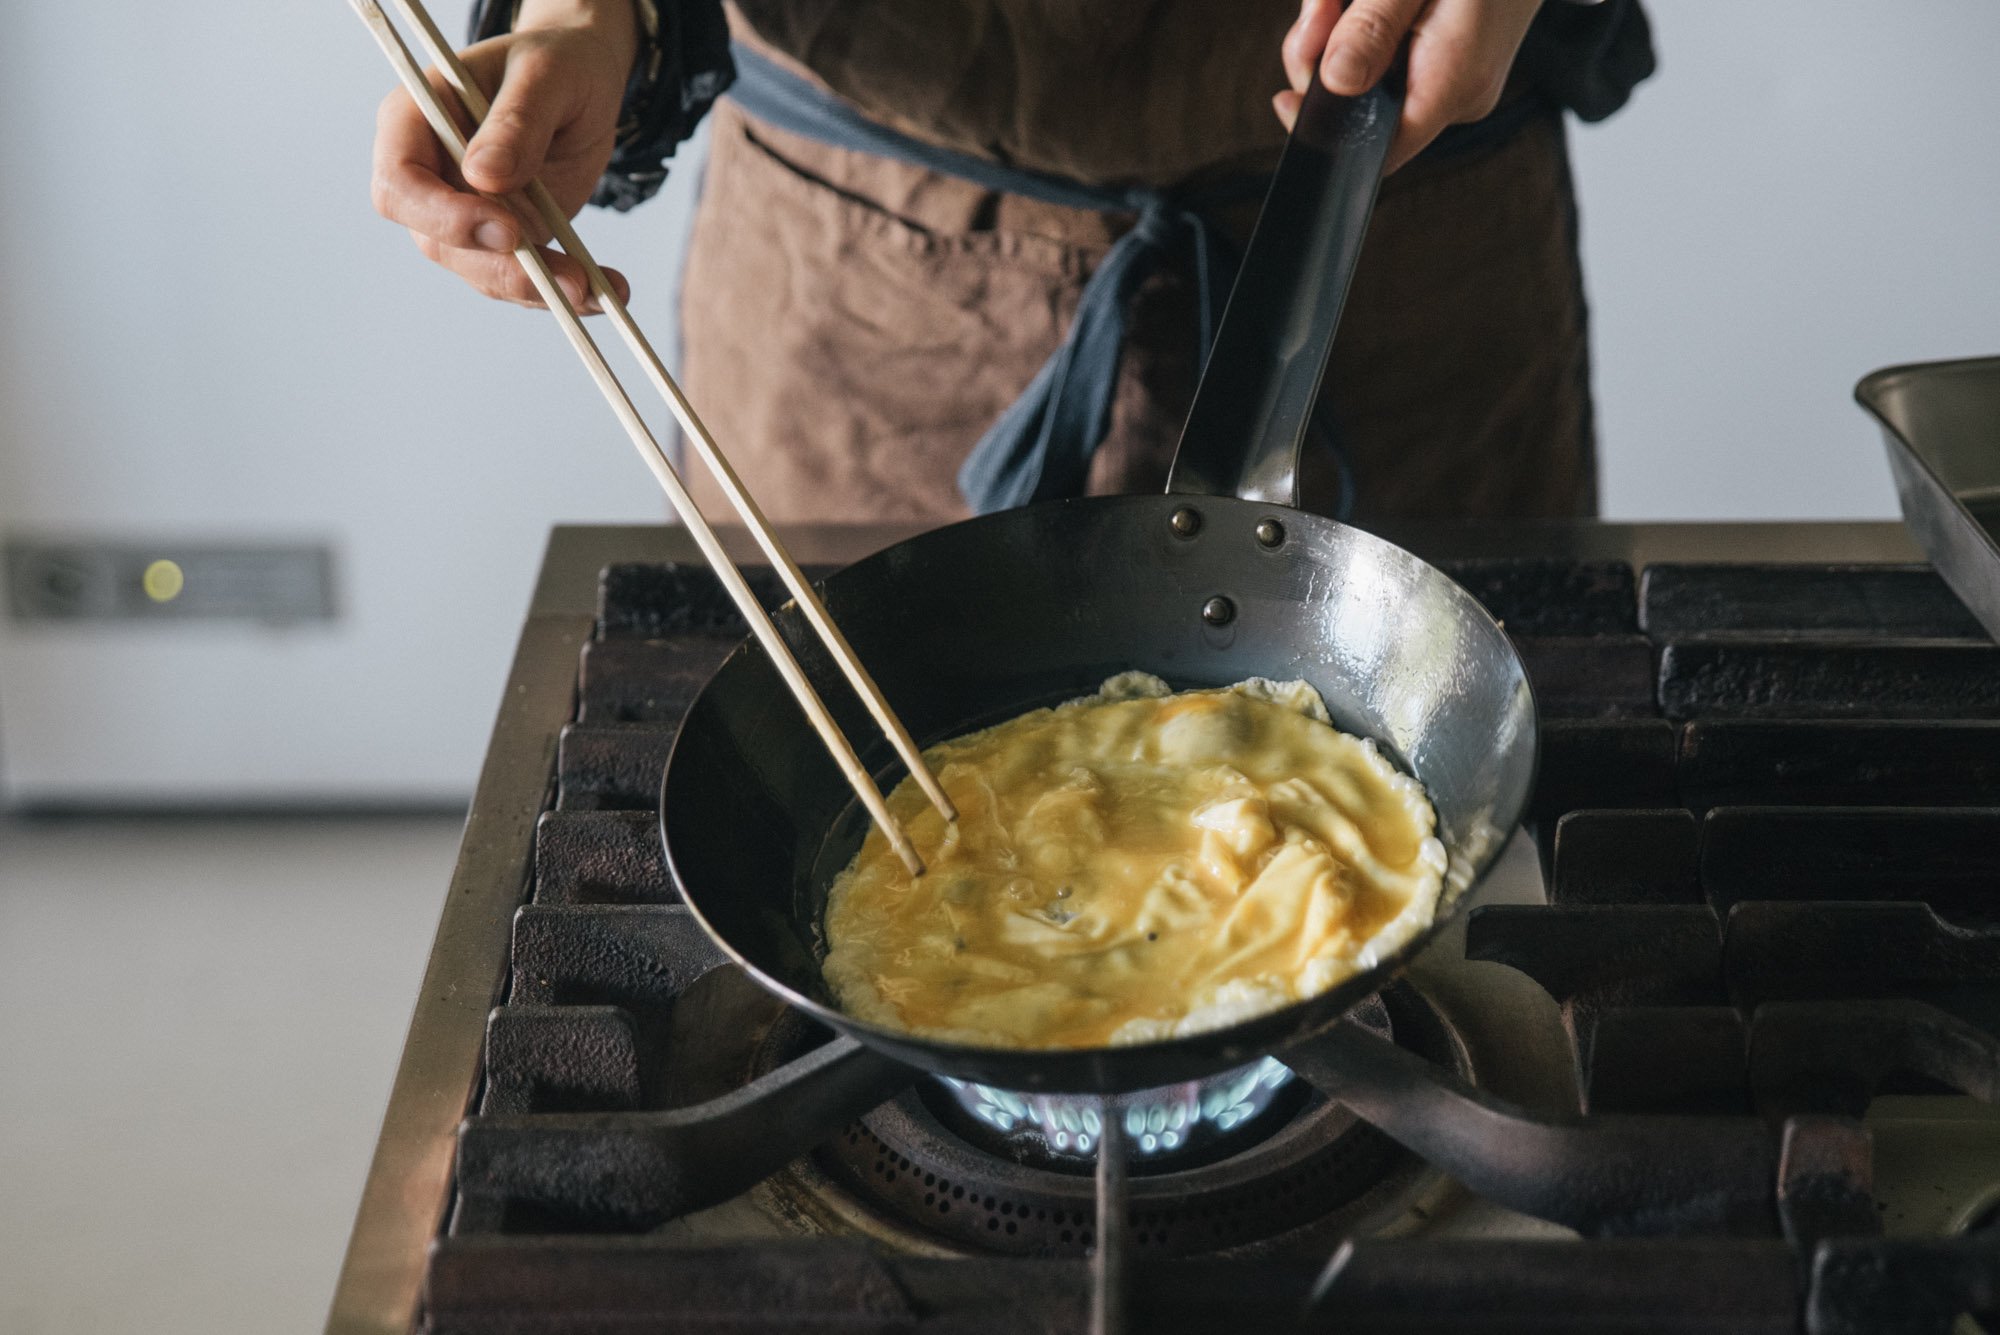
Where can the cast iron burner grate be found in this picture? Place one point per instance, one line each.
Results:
(1308, 1161)
(1735, 1014)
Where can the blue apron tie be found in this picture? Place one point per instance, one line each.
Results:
(1041, 446)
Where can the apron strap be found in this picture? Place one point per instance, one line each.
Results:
(1041, 446)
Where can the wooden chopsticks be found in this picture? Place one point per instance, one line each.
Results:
(536, 267)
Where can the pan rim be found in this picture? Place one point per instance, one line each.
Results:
(1289, 1024)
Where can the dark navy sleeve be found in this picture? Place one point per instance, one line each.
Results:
(1588, 58)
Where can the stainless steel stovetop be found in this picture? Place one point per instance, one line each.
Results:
(1936, 1155)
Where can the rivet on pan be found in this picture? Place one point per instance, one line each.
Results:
(1218, 611)
(1185, 522)
(1270, 533)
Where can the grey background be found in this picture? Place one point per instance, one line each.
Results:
(1808, 190)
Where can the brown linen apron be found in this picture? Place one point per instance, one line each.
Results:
(852, 324)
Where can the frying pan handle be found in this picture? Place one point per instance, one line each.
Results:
(1257, 391)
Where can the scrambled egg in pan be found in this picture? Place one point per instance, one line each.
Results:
(1134, 866)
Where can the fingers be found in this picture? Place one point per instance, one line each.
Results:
(502, 278)
(1459, 59)
(410, 185)
(1364, 42)
(534, 101)
(1304, 44)
(415, 184)
(1286, 104)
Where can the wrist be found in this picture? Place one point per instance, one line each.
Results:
(613, 22)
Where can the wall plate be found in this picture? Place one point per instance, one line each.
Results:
(70, 580)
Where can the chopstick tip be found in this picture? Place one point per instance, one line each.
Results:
(940, 799)
(907, 851)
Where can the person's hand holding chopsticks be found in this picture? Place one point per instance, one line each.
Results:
(560, 75)
(452, 100)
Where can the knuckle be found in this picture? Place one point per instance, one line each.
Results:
(532, 54)
(509, 118)
(529, 64)
(1369, 27)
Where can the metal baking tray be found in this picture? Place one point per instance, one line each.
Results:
(1941, 421)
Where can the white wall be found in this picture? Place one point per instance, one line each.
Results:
(1806, 191)
(205, 331)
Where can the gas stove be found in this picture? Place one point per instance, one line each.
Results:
(1717, 1048)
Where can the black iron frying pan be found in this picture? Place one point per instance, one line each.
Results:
(1218, 580)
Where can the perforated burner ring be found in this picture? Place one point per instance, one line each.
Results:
(904, 1162)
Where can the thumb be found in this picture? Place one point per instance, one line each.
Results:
(1364, 43)
(508, 150)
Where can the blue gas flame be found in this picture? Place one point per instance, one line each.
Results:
(1157, 1121)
